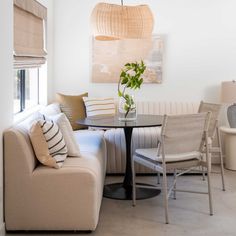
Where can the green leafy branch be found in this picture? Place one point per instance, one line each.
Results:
(130, 78)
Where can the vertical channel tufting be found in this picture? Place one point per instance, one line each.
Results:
(142, 137)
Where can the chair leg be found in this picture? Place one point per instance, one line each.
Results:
(203, 173)
(174, 189)
(133, 183)
(209, 190)
(158, 178)
(221, 160)
(165, 196)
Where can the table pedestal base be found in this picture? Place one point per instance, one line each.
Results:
(117, 191)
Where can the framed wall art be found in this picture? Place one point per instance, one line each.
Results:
(108, 57)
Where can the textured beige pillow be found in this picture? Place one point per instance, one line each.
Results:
(73, 107)
(68, 134)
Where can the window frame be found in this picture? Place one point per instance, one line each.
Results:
(22, 85)
(22, 89)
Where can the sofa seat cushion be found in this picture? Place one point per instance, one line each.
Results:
(89, 139)
(92, 143)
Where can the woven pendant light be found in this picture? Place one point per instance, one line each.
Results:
(112, 22)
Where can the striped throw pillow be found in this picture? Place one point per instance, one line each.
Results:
(55, 141)
(99, 106)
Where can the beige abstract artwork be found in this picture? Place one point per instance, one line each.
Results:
(108, 57)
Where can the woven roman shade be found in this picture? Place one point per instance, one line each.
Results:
(29, 36)
(112, 22)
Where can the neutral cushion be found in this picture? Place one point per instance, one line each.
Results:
(73, 107)
(28, 122)
(51, 109)
(99, 106)
(151, 153)
(49, 151)
(68, 134)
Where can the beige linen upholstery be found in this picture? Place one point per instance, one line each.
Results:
(42, 198)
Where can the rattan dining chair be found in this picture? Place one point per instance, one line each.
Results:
(182, 141)
(213, 132)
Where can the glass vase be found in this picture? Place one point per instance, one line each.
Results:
(127, 111)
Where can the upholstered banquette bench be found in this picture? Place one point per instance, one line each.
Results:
(39, 197)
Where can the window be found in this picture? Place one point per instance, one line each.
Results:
(29, 53)
(26, 89)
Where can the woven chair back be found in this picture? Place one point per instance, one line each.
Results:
(215, 111)
(184, 133)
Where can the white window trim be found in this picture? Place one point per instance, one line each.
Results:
(25, 114)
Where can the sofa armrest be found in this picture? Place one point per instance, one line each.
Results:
(58, 199)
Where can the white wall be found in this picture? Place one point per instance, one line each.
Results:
(49, 4)
(6, 81)
(200, 48)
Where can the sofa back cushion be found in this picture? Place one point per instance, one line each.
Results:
(168, 108)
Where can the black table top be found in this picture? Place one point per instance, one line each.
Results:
(114, 122)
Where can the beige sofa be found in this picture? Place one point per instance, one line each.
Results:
(42, 198)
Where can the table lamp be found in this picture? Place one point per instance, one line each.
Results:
(228, 95)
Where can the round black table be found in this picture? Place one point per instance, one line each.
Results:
(123, 191)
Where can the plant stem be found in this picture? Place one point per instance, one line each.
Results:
(123, 95)
(127, 112)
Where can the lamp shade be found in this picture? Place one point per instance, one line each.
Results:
(111, 21)
(228, 91)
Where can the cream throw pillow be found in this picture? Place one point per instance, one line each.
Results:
(51, 109)
(48, 143)
(68, 134)
(99, 106)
